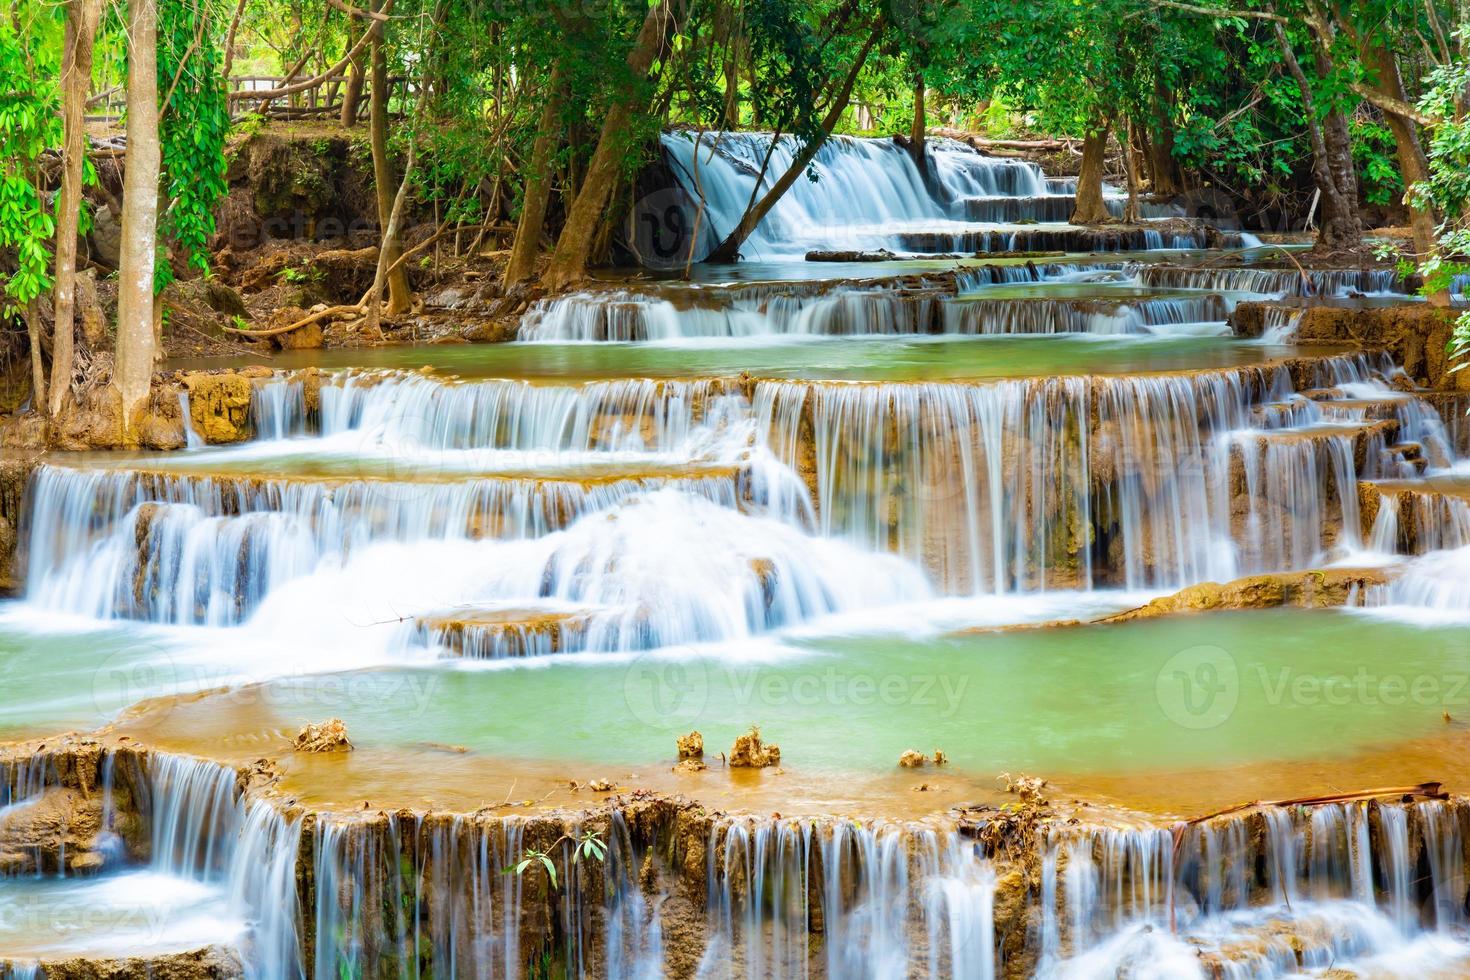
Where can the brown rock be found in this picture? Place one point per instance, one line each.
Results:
(691, 746)
(219, 406)
(1311, 590)
(750, 752)
(329, 736)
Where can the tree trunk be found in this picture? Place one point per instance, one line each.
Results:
(1413, 164)
(1160, 147)
(38, 367)
(82, 17)
(522, 264)
(729, 249)
(1333, 173)
(1342, 227)
(917, 129)
(352, 91)
(569, 261)
(731, 113)
(137, 343)
(1090, 208)
(1132, 214)
(400, 296)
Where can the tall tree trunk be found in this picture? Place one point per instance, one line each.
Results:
(400, 296)
(729, 249)
(1160, 146)
(522, 264)
(574, 246)
(730, 118)
(352, 91)
(1413, 164)
(1132, 213)
(38, 367)
(1333, 173)
(1090, 208)
(917, 129)
(82, 17)
(137, 343)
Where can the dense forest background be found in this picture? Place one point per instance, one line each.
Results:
(533, 126)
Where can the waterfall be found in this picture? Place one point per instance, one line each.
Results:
(860, 311)
(215, 871)
(866, 190)
(1123, 900)
(1274, 282)
(415, 504)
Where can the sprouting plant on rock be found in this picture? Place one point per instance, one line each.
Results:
(588, 846)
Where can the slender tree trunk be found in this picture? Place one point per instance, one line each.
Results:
(917, 129)
(522, 264)
(400, 296)
(137, 342)
(1333, 173)
(1413, 164)
(38, 367)
(82, 17)
(1090, 208)
(728, 32)
(574, 246)
(1132, 213)
(352, 91)
(729, 249)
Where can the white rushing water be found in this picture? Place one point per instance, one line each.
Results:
(867, 194)
(218, 872)
(424, 497)
(395, 516)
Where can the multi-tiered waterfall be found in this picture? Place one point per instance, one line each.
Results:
(784, 502)
(870, 194)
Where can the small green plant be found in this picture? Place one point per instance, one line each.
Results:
(297, 275)
(588, 846)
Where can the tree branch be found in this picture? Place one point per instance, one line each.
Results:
(1220, 12)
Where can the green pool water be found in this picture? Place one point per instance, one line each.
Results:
(801, 358)
(1202, 691)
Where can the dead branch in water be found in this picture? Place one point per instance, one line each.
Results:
(1430, 791)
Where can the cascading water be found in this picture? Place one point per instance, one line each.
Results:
(382, 516)
(860, 311)
(987, 487)
(215, 872)
(865, 192)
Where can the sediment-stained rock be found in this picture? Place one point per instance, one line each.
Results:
(1318, 589)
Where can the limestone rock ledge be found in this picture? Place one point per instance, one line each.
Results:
(1315, 589)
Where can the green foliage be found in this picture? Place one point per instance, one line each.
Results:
(1373, 151)
(29, 124)
(585, 847)
(192, 128)
(297, 275)
(1448, 187)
